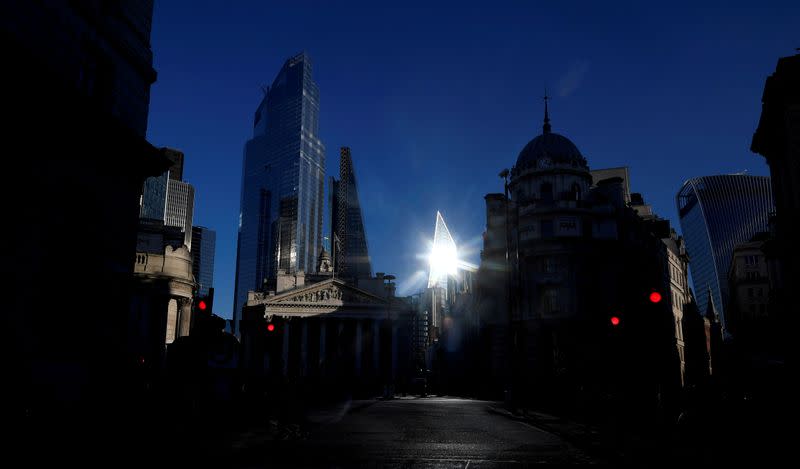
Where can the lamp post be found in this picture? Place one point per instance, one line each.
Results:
(388, 391)
(511, 333)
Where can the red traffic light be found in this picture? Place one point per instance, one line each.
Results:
(614, 321)
(202, 305)
(655, 297)
(270, 327)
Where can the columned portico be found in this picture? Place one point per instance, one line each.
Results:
(328, 331)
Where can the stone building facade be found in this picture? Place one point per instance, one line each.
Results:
(164, 287)
(317, 330)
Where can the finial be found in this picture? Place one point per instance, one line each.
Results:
(546, 126)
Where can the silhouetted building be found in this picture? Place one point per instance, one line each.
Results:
(715, 339)
(203, 248)
(281, 208)
(717, 213)
(678, 266)
(76, 92)
(349, 238)
(176, 167)
(778, 140)
(562, 256)
(749, 283)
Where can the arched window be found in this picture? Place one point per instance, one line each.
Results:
(546, 192)
(575, 192)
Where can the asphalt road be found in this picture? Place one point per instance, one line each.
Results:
(429, 432)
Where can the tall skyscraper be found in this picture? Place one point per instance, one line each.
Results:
(168, 198)
(349, 239)
(203, 246)
(283, 183)
(716, 214)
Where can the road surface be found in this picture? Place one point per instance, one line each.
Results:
(425, 432)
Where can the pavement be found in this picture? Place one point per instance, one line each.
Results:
(404, 432)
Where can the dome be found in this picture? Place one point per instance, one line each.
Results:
(555, 147)
(551, 148)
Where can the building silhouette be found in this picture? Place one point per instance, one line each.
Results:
(777, 139)
(86, 68)
(282, 198)
(717, 213)
(349, 238)
(563, 255)
(204, 243)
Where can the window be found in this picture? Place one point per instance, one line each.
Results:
(575, 193)
(751, 275)
(760, 292)
(550, 301)
(546, 192)
(750, 292)
(547, 228)
(549, 265)
(751, 260)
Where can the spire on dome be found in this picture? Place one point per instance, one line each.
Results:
(546, 126)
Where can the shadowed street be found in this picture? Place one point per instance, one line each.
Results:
(431, 432)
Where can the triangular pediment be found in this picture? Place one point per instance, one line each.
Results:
(331, 292)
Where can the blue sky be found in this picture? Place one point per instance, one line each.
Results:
(435, 98)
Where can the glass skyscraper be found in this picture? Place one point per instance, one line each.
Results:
(716, 214)
(203, 246)
(283, 183)
(349, 238)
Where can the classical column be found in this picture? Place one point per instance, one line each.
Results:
(358, 347)
(172, 331)
(184, 316)
(285, 347)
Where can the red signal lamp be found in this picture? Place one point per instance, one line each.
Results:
(655, 297)
(202, 305)
(270, 327)
(615, 321)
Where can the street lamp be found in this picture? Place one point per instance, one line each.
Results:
(388, 391)
(511, 333)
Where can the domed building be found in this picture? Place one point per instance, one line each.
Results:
(562, 255)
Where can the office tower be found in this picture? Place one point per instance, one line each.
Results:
(349, 239)
(180, 208)
(282, 198)
(168, 198)
(203, 246)
(717, 213)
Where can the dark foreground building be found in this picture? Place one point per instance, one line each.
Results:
(777, 138)
(75, 92)
(573, 287)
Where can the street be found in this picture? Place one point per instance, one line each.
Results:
(427, 432)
